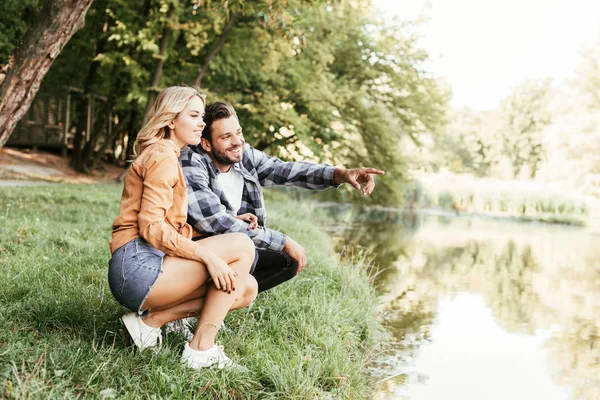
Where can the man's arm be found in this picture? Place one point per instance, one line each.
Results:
(206, 213)
(273, 171)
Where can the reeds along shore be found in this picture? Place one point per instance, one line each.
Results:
(60, 335)
(524, 200)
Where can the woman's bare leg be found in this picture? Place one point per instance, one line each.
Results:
(192, 306)
(182, 279)
(212, 314)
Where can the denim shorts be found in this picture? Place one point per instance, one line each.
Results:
(133, 269)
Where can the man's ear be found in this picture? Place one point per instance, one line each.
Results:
(205, 145)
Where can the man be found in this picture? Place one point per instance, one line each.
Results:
(225, 177)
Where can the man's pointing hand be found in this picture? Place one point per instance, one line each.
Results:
(356, 177)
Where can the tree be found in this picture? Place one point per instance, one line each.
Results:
(21, 76)
(523, 116)
(587, 82)
(467, 143)
(505, 142)
(165, 38)
(15, 18)
(574, 138)
(316, 80)
(129, 53)
(342, 88)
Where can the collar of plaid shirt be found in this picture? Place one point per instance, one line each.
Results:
(238, 166)
(252, 196)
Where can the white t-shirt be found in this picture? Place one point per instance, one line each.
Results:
(233, 186)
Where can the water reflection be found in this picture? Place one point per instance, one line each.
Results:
(485, 309)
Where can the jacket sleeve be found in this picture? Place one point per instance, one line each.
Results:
(207, 215)
(273, 171)
(160, 177)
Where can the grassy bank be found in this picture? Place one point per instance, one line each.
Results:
(60, 334)
(526, 201)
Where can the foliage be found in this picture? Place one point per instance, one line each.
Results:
(344, 91)
(587, 82)
(318, 80)
(506, 142)
(60, 329)
(523, 116)
(15, 18)
(574, 140)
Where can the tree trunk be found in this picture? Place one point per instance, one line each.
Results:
(128, 153)
(132, 132)
(78, 158)
(158, 70)
(216, 48)
(21, 77)
(88, 151)
(81, 108)
(112, 138)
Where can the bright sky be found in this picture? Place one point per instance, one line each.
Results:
(484, 47)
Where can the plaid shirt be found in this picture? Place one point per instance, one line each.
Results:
(211, 213)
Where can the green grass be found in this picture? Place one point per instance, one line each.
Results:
(60, 334)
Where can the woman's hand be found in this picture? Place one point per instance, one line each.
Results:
(223, 275)
(251, 219)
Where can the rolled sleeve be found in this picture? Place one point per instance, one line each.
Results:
(160, 178)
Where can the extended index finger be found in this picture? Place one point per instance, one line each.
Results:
(373, 171)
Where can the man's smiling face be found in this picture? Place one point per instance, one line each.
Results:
(227, 144)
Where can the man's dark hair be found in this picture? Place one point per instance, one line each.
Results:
(214, 112)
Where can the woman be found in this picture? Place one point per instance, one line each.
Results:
(156, 270)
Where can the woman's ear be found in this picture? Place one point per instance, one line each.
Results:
(205, 145)
(171, 125)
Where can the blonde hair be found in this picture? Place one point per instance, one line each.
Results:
(169, 103)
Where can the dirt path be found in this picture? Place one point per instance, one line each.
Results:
(26, 167)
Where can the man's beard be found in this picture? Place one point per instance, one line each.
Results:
(223, 158)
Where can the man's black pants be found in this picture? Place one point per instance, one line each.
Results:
(272, 268)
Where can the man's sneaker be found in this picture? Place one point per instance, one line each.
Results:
(183, 327)
(215, 356)
(144, 336)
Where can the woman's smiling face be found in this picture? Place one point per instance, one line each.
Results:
(187, 127)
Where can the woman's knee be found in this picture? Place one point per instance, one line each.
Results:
(250, 290)
(243, 245)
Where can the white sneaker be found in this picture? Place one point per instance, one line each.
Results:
(183, 327)
(197, 359)
(144, 336)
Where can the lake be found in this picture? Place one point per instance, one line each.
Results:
(481, 308)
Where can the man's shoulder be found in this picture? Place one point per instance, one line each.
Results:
(190, 157)
(187, 153)
(194, 167)
(252, 156)
(248, 150)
